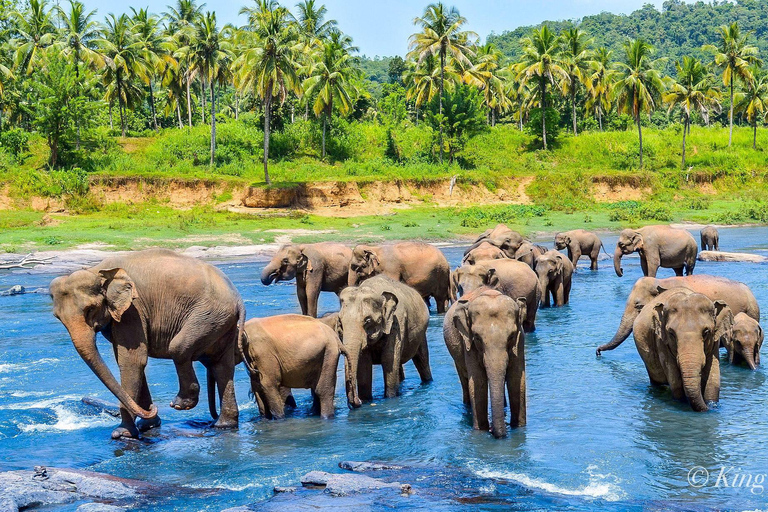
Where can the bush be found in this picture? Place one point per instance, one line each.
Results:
(631, 211)
(533, 126)
(16, 142)
(475, 217)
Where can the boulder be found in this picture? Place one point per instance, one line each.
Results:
(731, 257)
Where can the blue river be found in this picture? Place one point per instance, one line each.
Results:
(598, 437)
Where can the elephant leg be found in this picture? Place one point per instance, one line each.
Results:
(365, 377)
(567, 290)
(478, 394)
(421, 362)
(559, 293)
(575, 257)
(272, 398)
(312, 291)
(145, 401)
(390, 366)
(131, 363)
(516, 387)
(287, 395)
(259, 398)
(325, 389)
(402, 374)
(712, 383)
(301, 293)
(644, 265)
(679, 271)
(224, 374)
(592, 259)
(652, 262)
(189, 387)
(530, 317)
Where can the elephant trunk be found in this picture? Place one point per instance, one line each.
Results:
(749, 358)
(617, 254)
(691, 375)
(544, 297)
(625, 329)
(496, 385)
(269, 274)
(352, 278)
(84, 340)
(351, 361)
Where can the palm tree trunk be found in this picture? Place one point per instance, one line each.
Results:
(189, 103)
(685, 132)
(267, 127)
(237, 106)
(493, 117)
(754, 134)
(442, 89)
(325, 122)
(120, 105)
(306, 111)
(573, 108)
(152, 105)
(77, 118)
(640, 135)
(178, 114)
(730, 117)
(600, 119)
(111, 124)
(202, 100)
(213, 123)
(544, 111)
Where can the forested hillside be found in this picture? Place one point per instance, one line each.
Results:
(679, 29)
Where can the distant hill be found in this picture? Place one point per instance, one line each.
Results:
(679, 29)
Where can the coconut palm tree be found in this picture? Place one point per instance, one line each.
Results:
(422, 82)
(210, 54)
(269, 65)
(733, 55)
(601, 79)
(311, 22)
(693, 91)
(330, 81)
(753, 102)
(34, 32)
(154, 51)
(541, 65)
(576, 57)
(442, 35)
(640, 84)
(180, 18)
(488, 75)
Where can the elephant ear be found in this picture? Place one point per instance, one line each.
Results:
(660, 290)
(637, 240)
(723, 324)
(390, 305)
(305, 264)
(119, 290)
(559, 266)
(759, 344)
(461, 322)
(372, 259)
(658, 323)
(491, 278)
(483, 236)
(455, 281)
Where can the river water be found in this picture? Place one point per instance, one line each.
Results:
(598, 437)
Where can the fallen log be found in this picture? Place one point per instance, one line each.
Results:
(731, 257)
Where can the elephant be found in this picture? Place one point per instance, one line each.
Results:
(155, 303)
(502, 237)
(745, 342)
(484, 251)
(555, 272)
(710, 239)
(529, 253)
(291, 351)
(580, 243)
(419, 265)
(382, 322)
(511, 277)
(659, 246)
(316, 267)
(677, 336)
(737, 295)
(484, 334)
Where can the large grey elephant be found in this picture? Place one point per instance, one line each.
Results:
(502, 237)
(511, 277)
(484, 334)
(484, 251)
(555, 272)
(658, 246)
(745, 342)
(291, 351)
(383, 322)
(678, 337)
(316, 267)
(737, 295)
(155, 303)
(421, 266)
(710, 239)
(529, 253)
(580, 243)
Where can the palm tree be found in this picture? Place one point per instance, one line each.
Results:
(734, 56)
(576, 57)
(210, 54)
(488, 75)
(311, 22)
(442, 35)
(600, 84)
(5, 73)
(422, 82)
(330, 81)
(154, 51)
(541, 63)
(270, 65)
(35, 32)
(181, 17)
(693, 92)
(754, 102)
(640, 84)
(124, 62)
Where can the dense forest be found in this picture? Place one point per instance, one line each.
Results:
(293, 79)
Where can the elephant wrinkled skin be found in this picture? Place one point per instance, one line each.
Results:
(555, 272)
(316, 267)
(580, 243)
(745, 342)
(383, 322)
(291, 351)
(737, 295)
(421, 266)
(155, 303)
(678, 337)
(484, 334)
(658, 246)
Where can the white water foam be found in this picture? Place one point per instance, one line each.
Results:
(67, 420)
(12, 367)
(48, 403)
(598, 487)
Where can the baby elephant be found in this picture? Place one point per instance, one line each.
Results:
(710, 239)
(555, 272)
(745, 342)
(484, 334)
(580, 242)
(678, 337)
(291, 351)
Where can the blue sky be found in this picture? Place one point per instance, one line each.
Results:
(382, 27)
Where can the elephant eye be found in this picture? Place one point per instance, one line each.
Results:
(368, 321)
(285, 260)
(671, 334)
(705, 333)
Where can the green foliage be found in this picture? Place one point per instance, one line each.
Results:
(16, 142)
(462, 117)
(475, 217)
(634, 211)
(533, 126)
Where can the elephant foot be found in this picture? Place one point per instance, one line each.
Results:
(146, 425)
(123, 432)
(184, 404)
(225, 423)
(354, 404)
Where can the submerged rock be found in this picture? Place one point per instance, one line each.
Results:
(362, 467)
(346, 484)
(731, 257)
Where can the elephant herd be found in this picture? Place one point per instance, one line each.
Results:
(158, 303)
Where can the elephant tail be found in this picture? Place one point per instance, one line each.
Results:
(603, 248)
(211, 382)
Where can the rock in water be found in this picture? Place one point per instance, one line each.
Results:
(362, 467)
(731, 257)
(346, 484)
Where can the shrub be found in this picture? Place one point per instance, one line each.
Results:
(15, 141)
(475, 217)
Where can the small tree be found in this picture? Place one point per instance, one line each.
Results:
(462, 117)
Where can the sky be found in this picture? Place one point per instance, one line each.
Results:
(382, 27)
